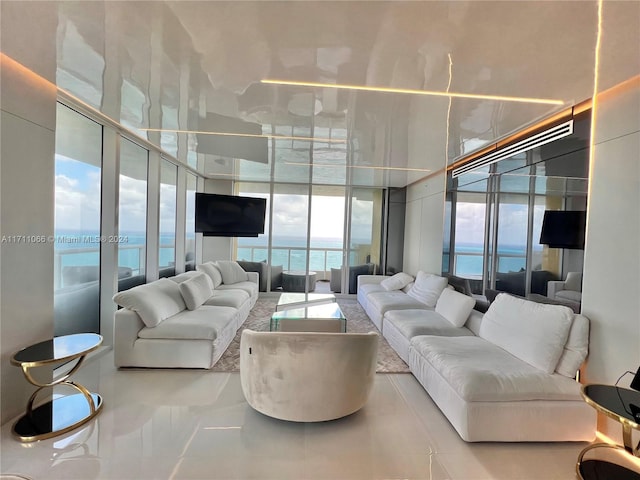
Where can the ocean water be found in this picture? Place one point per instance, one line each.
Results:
(74, 248)
(511, 258)
(290, 252)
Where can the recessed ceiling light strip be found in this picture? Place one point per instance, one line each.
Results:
(250, 135)
(436, 93)
(542, 138)
(366, 167)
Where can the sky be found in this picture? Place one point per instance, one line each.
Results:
(470, 219)
(77, 199)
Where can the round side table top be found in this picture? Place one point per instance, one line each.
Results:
(57, 349)
(618, 403)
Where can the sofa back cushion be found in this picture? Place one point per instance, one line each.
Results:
(212, 271)
(576, 349)
(427, 288)
(534, 332)
(231, 272)
(397, 281)
(153, 302)
(196, 290)
(455, 306)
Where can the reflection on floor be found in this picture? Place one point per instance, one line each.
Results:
(170, 424)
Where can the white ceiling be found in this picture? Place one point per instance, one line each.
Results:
(173, 65)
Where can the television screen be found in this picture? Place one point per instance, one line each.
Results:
(229, 216)
(563, 229)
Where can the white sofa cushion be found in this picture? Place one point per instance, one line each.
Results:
(455, 306)
(202, 324)
(395, 300)
(368, 288)
(153, 302)
(231, 272)
(183, 277)
(227, 298)
(570, 295)
(533, 332)
(480, 371)
(411, 323)
(427, 288)
(250, 287)
(196, 290)
(397, 281)
(211, 269)
(576, 348)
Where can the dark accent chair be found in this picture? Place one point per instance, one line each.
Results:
(335, 283)
(262, 269)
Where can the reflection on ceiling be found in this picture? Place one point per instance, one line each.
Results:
(388, 91)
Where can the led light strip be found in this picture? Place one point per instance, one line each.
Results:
(250, 135)
(434, 93)
(366, 167)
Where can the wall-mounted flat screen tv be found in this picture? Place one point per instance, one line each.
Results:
(563, 229)
(229, 215)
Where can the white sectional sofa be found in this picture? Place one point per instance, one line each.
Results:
(186, 321)
(506, 375)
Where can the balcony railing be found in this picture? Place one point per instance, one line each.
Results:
(132, 256)
(295, 258)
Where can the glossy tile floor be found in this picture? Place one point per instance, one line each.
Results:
(196, 424)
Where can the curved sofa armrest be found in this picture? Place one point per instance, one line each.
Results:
(253, 277)
(375, 279)
(553, 287)
(126, 326)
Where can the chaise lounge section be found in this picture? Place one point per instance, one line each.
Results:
(505, 375)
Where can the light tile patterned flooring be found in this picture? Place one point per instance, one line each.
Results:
(171, 424)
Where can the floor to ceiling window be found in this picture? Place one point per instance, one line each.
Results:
(132, 212)
(78, 168)
(498, 212)
(305, 233)
(190, 223)
(167, 211)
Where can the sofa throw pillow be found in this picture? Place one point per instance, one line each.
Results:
(455, 306)
(196, 290)
(231, 272)
(153, 302)
(534, 332)
(397, 281)
(576, 348)
(427, 288)
(212, 271)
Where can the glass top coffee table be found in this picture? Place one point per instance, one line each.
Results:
(313, 318)
(290, 300)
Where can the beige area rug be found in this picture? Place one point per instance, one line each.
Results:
(357, 322)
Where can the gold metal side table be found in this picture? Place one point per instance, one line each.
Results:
(622, 405)
(63, 413)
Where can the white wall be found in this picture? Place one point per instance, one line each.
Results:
(611, 289)
(28, 116)
(217, 248)
(424, 223)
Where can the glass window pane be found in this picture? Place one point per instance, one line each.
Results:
(290, 214)
(190, 224)
(132, 216)
(469, 235)
(78, 166)
(327, 230)
(167, 239)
